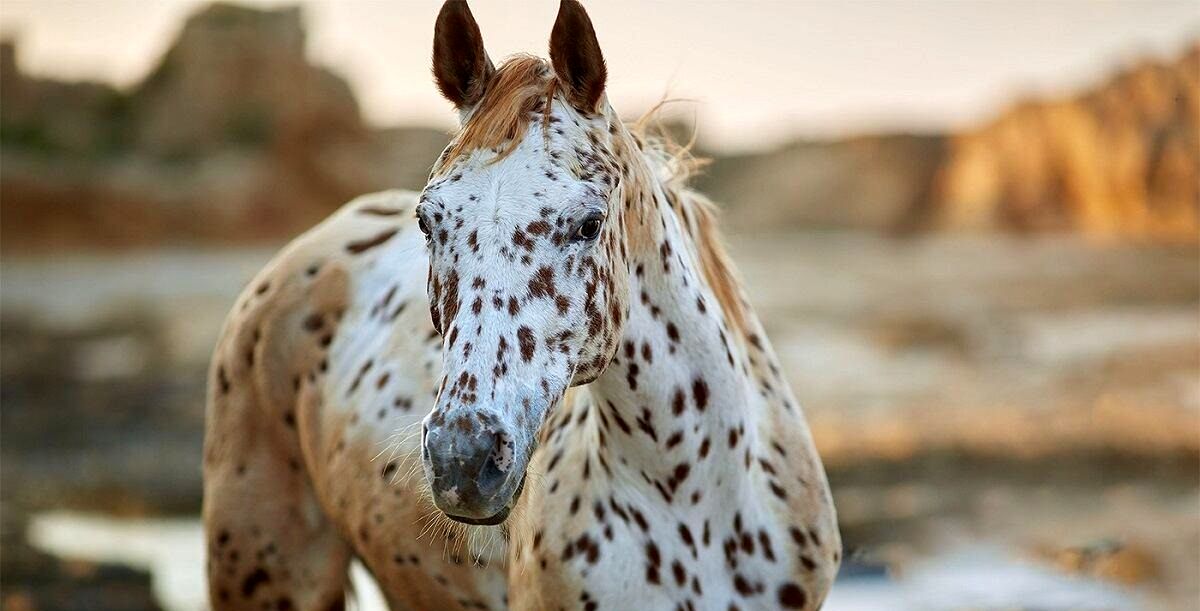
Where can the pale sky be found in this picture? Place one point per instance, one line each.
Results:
(758, 72)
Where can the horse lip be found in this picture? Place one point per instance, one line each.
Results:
(490, 521)
(499, 517)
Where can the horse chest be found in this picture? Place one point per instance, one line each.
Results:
(605, 535)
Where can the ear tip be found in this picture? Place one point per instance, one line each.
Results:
(457, 10)
(453, 8)
(572, 21)
(571, 10)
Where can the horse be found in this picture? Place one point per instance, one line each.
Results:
(537, 384)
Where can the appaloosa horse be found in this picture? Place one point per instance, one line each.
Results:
(555, 332)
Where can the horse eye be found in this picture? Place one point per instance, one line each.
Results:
(422, 225)
(590, 229)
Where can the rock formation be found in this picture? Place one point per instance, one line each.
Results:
(1122, 160)
(871, 182)
(236, 135)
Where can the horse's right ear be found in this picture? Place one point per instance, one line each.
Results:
(461, 67)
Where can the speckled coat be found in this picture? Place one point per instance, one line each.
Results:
(655, 455)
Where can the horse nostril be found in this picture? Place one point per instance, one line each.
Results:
(471, 470)
(491, 478)
(494, 470)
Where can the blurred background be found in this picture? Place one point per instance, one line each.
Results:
(971, 228)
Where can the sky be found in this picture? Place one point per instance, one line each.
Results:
(753, 72)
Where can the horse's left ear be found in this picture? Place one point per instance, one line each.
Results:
(575, 53)
(461, 67)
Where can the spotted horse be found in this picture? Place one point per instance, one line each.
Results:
(535, 385)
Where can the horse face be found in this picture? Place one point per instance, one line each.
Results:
(526, 278)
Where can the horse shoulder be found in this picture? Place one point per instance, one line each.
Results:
(276, 337)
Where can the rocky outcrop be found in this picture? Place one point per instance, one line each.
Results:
(57, 119)
(241, 77)
(234, 77)
(872, 182)
(1120, 161)
(234, 136)
(237, 136)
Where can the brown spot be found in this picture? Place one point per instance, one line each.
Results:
(313, 322)
(677, 403)
(542, 283)
(777, 490)
(361, 246)
(449, 301)
(255, 579)
(700, 393)
(674, 439)
(742, 586)
(222, 379)
(792, 597)
(525, 339)
(378, 211)
(680, 574)
(672, 332)
(808, 563)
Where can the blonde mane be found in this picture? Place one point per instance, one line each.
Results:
(715, 261)
(674, 164)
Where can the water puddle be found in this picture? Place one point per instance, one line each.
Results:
(171, 550)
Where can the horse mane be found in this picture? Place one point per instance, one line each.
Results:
(520, 88)
(524, 86)
(674, 164)
(715, 261)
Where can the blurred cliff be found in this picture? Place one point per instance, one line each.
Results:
(235, 136)
(1119, 160)
(1122, 160)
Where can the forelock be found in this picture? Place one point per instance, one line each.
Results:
(521, 89)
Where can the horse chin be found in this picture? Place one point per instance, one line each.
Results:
(499, 517)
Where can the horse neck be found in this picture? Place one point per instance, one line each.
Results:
(680, 400)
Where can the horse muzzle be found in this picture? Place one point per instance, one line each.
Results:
(475, 475)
